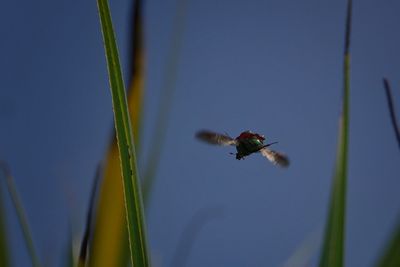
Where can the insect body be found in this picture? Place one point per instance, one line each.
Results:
(246, 143)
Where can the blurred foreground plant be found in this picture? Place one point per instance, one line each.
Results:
(21, 214)
(333, 247)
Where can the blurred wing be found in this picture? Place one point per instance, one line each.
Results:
(215, 138)
(275, 157)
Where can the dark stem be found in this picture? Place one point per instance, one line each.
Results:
(136, 41)
(391, 109)
(88, 227)
(348, 27)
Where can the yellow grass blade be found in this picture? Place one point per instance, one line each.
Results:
(109, 229)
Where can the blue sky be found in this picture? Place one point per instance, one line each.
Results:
(274, 67)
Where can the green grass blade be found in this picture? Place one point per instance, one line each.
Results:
(4, 252)
(110, 245)
(332, 254)
(391, 254)
(132, 193)
(21, 215)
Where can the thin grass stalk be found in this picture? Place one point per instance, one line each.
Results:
(332, 254)
(169, 84)
(20, 214)
(4, 251)
(132, 193)
(391, 253)
(392, 112)
(88, 227)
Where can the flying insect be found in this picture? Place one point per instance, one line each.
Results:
(246, 144)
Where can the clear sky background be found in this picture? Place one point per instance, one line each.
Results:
(274, 67)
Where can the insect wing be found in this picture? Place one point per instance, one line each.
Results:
(275, 157)
(215, 138)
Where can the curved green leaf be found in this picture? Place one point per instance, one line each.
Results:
(110, 245)
(132, 191)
